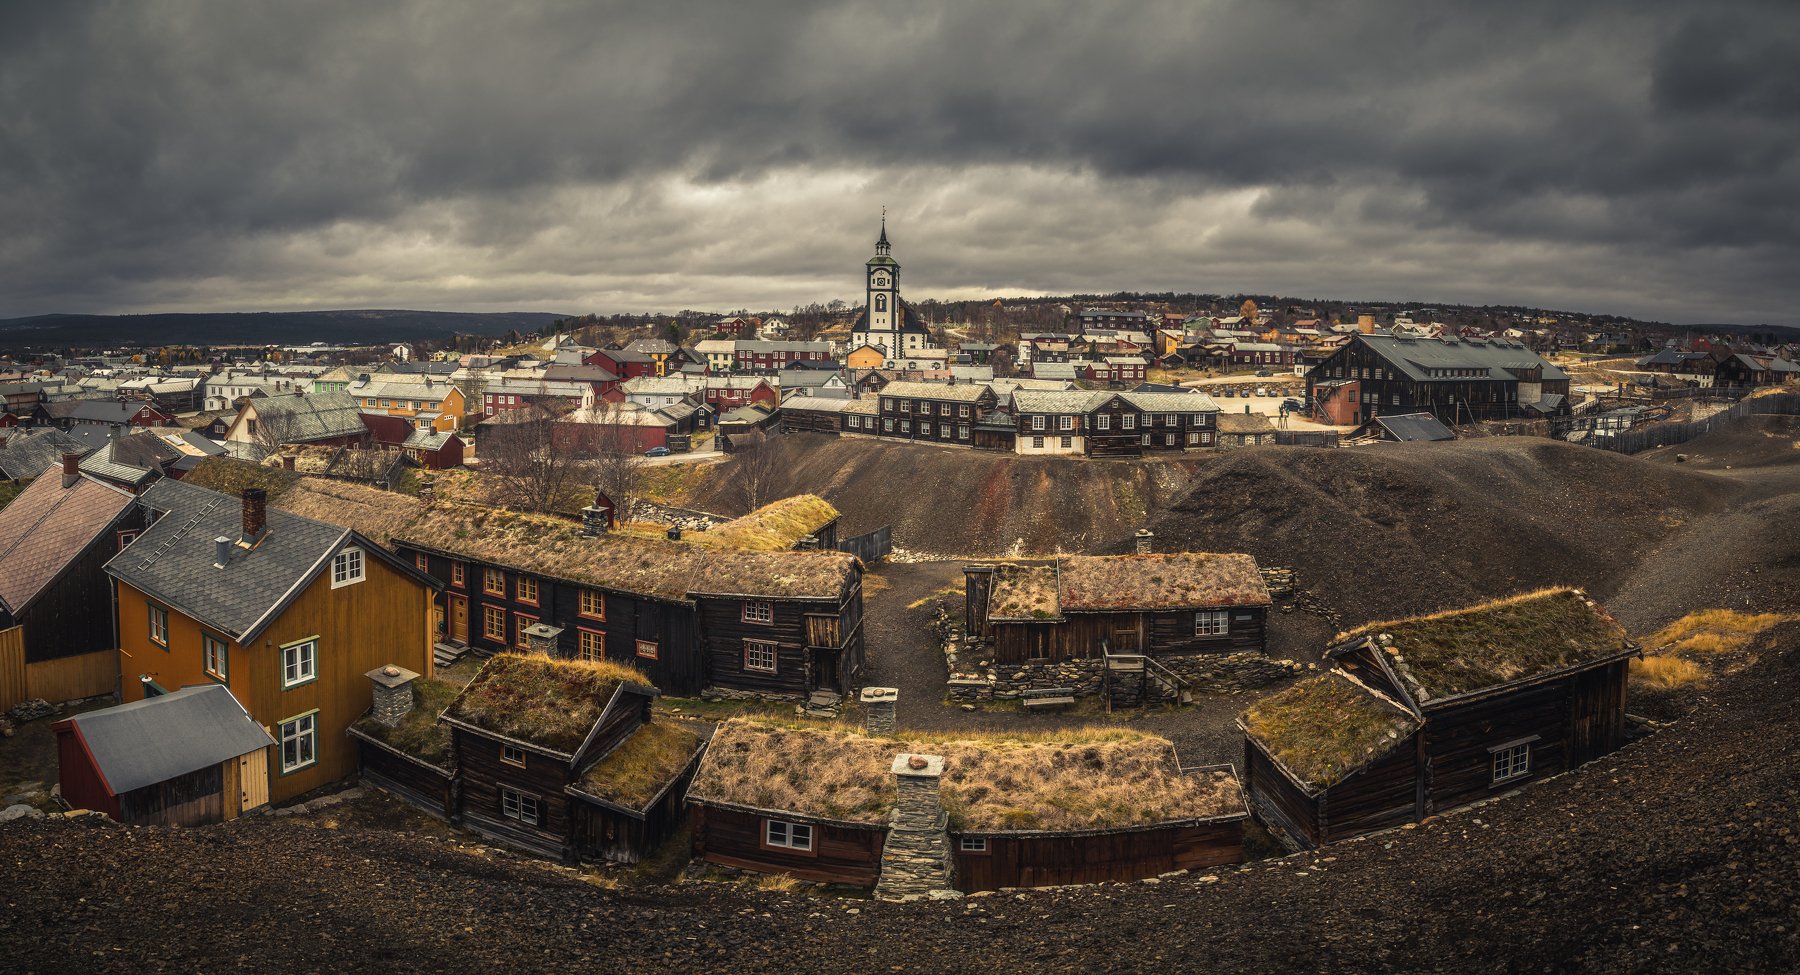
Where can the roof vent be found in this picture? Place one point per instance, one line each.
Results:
(221, 551)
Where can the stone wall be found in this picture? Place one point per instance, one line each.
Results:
(915, 859)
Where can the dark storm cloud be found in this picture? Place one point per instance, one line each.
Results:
(1638, 157)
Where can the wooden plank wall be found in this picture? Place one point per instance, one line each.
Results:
(840, 855)
(73, 678)
(13, 686)
(1047, 861)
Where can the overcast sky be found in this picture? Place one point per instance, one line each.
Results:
(1638, 157)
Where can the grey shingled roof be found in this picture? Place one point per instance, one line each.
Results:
(316, 416)
(1418, 356)
(1415, 426)
(959, 393)
(159, 738)
(26, 456)
(172, 561)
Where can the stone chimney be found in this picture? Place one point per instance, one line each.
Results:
(427, 489)
(674, 533)
(915, 860)
(393, 693)
(596, 520)
(256, 514)
(878, 704)
(1146, 541)
(542, 637)
(287, 462)
(71, 469)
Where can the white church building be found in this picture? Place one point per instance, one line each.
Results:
(888, 323)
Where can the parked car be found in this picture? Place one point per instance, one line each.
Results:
(1264, 372)
(657, 452)
(1294, 404)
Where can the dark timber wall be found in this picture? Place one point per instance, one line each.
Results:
(841, 854)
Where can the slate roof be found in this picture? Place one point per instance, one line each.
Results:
(657, 386)
(426, 440)
(405, 389)
(1415, 426)
(108, 411)
(958, 393)
(25, 457)
(172, 561)
(1083, 401)
(46, 527)
(169, 735)
(316, 416)
(1417, 357)
(131, 460)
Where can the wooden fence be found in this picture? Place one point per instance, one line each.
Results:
(1307, 438)
(56, 681)
(1664, 434)
(870, 547)
(1780, 404)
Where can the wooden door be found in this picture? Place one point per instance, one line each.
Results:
(1125, 638)
(253, 780)
(459, 619)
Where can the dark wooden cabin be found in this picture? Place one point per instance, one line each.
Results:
(560, 758)
(403, 748)
(1429, 714)
(1155, 604)
(186, 758)
(1016, 814)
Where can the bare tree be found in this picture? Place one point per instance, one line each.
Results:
(534, 471)
(274, 426)
(755, 469)
(617, 464)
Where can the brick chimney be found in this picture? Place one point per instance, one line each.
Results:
(287, 462)
(878, 706)
(256, 514)
(393, 693)
(71, 469)
(1146, 540)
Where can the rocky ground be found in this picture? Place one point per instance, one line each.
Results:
(1679, 854)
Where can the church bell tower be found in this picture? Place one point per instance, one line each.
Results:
(884, 288)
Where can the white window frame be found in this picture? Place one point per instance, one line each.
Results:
(1212, 622)
(1037, 423)
(972, 844)
(512, 755)
(784, 835)
(1037, 443)
(1103, 421)
(302, 732)
(301, 660)
(215, 657)
(159, 625)
(1065, 423)
(758, 611)
(757, 651)
(1510, 762)
(348, 567)
(1128, 421)
(521, 807)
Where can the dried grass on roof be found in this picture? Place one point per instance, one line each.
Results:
(1023, 592)
(541, 700)
(1065, 780)
(773, 527)
(1324, 728)
(1175, 580)
(419, 733)
(555, 548)
(1476, 647)
(229, 475)
(633, 774)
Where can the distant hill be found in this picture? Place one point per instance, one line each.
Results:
(261, 328)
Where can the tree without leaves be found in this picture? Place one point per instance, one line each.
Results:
(533, 471)
(755, 469)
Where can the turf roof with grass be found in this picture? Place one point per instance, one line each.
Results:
(773, 527)
(541, 701)
(1322, 729)
(555, 548)
(1125, 584)
(1023, 592)
(1459, 651)
(419, 733)
(1071, 780)
(635, 773)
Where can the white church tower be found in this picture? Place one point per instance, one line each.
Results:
(886, 323)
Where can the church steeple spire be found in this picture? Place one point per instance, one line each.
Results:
(881, 244)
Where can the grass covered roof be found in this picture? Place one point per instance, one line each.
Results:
(773, 527)
(230, 475)
(635, 773)
(555, 548)
(1463, 650)
(1126, 584)
(1324, 728)
(419, 733)
(1071, 780)
(539, 700)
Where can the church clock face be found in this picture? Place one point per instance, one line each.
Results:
(881, 281)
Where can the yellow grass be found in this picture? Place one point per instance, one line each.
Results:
(1713, 631)
(1667, 673)
(782, 882)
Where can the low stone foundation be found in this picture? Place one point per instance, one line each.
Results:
(733, 694)
(1205, 674)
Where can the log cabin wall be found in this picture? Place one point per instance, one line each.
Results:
(1122, 857)
(194, 799)
(1458, 739)
(978, 585)
(1598, 706)
(62, 621)
(726, 631)
(1174, 632)
(1277, 800)
(604, 833)
(543, 777)
(1080, 635)
(431, 790)
(841, 854)
(1377, 796)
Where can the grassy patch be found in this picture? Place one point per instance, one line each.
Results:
(672, 484)
(1324, 728)
(419, 734)
(548, 702)
(633, 773)
(704, 710)
(774, 527)
(10, 490)
(1712, 631)
(936, 594)
(1667, 673)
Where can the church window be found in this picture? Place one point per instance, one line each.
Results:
(881, 302)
